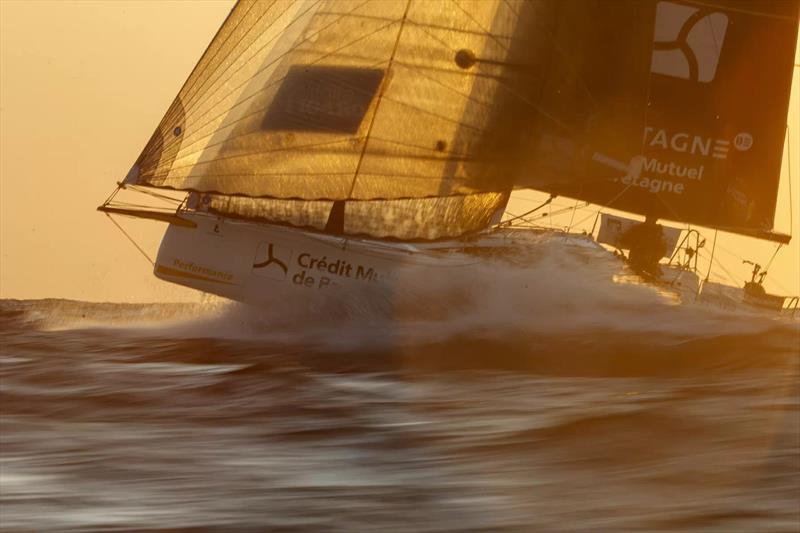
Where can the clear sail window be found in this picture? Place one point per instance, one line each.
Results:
(323, 99)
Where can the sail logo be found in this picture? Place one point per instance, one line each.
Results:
(686, 143)
(272, 261)
(687, 42)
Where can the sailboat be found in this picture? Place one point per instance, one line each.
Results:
(323, 144)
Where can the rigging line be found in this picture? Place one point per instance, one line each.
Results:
(774, 255)
(710, 265)
(572, 217)
(112, 195)
(606, 205)
(262, 69)
(779, 286)
(131, 239)
(740, 258)
(523, 215)
(164, 197)
(711, 260)
(561, 210)
(789, 172)
(142, 207)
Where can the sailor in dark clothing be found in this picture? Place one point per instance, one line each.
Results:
(646, 244)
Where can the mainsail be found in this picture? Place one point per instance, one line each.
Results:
(415, 118)
(675, 109)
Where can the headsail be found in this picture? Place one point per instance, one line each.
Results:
(670, 108)
(325, 100)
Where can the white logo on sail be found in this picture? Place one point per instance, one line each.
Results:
(687, 42)
(683, 142)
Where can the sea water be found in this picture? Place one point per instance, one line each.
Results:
(529, 396)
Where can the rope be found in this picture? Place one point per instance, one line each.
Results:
(711, 260)
(572, 217)
(774, 255)
(132, 241)
(145, 190)
(710, 264)
(789, 172)
(523, 215)
(112, 195)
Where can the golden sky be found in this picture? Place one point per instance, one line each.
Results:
(82, 87)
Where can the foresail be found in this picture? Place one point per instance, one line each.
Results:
(340, 99)
(669, 108)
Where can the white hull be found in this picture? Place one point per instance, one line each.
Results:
(260, 263)
(251, 262)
